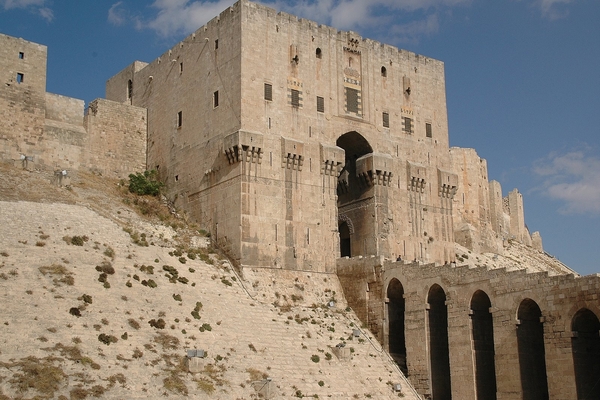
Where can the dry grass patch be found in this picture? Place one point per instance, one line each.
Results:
(60, 274)
(32, 373)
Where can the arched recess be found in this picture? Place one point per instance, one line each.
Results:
(585, 345)
(482, 335)
(344, 228)
(439, 354)
(396, 335)
(354, 198)
(532, 354)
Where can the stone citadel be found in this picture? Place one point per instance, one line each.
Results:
(305, 148)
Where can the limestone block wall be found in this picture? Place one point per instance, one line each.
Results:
(116, 138)
(559, 298)
(23, 84)
(295, 77)
(120, 87)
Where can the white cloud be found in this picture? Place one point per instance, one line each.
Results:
(36, 6)
(117, 14)
(572, 178)
(553, 9)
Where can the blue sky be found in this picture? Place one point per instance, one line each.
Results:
(522, 81)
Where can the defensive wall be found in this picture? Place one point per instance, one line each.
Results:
(470, 333)
(47, 131)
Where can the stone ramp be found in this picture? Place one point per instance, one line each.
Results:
(275, 329)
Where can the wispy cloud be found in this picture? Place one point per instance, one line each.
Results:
(399, 20)
(35, 6)
(554, 9)
(572, 178)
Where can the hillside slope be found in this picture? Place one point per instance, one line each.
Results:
(88, 310)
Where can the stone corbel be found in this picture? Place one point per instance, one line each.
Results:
(332, 160)
(374, 169)
(448, 184)
(292, 154)
(243, 146)
(416, 177)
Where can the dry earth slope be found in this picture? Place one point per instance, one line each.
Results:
(101, 302)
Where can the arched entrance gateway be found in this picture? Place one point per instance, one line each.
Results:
(482, 335)
(355, 200)
(439, 354)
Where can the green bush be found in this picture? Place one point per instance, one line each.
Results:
(145, 183)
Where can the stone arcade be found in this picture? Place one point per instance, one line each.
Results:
(302, 147)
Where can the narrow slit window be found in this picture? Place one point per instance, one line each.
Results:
(20, 77)
(428, 131)
(386, 120)
(180, 68)
(319, 53)
(320, 104)
(384, 72)
(179, 119)
(216, 99)
(295, 98)
(129, 89)
(268, 92)
(21, 55)
(216, 44)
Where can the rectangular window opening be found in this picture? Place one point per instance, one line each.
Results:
(20, 77)
(216, 44)
(352, 100)
(407, 125)
(295, 98)
(386, 120)
(320, 104)
(268, 92)
(428, 131)
(21, 55)
(216, 99)
(180, 68)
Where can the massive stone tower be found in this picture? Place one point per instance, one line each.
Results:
(296, 143)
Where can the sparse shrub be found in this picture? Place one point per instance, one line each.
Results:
(133, 323)
(78, 240)
(205, 327)
(192, 270)
(183, 280)
(251, 347)
(145, 183)
(75, 311)
(315, 358)
(158, 324)
(321, 383)
(328, 356)
(177, 297)
(40, 244)
(109, 252)
(4, 254)
(182, 260)
(124, 336)
(105, 267)
(107, 339)
(87, 298)
(128, 284)
(226, 282)
(102, 278)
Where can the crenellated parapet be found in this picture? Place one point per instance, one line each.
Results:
(243, 146)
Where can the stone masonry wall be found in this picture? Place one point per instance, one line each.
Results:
(559, 297)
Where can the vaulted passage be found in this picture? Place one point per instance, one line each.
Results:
(438, 344)
(586, 354)
(396, 307)
(345, 249)
(483, 346)
(532, 354)
(355, 200)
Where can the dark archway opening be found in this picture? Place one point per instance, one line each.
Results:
(532, 354)
(345, 245)
(439, 354)
(585, 345)
(482, 332)
(355, 146)
(397, 338)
